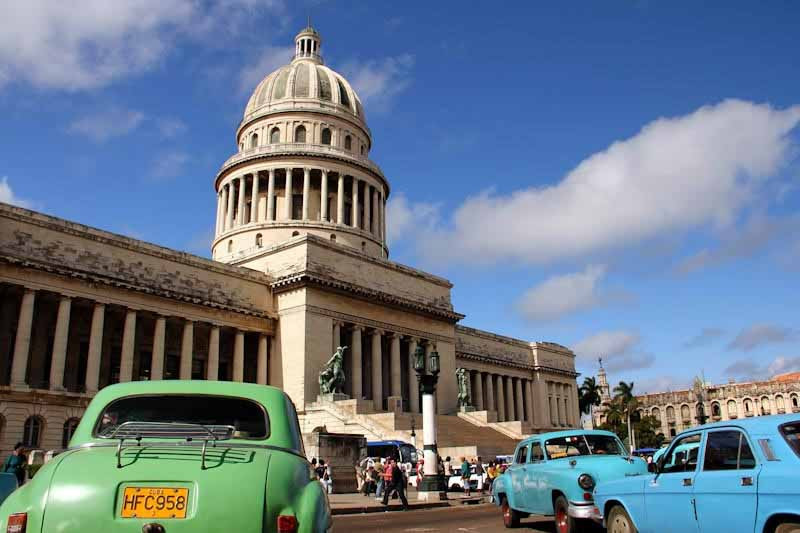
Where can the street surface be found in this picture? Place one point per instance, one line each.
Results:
(479, 518)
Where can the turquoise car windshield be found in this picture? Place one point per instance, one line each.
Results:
(248, 418)
(583, 445)
(791, 432)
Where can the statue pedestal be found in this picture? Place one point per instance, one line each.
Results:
(466, 409)
(333, 397)
(394, 404)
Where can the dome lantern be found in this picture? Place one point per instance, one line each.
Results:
(307, 44)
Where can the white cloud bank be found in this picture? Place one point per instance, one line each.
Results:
(619, 350)
(7, 195)
(107, 124)
(562, 295)
(750, 369)
(675, 174)
(377, 81)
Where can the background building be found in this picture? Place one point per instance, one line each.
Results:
(300, 266)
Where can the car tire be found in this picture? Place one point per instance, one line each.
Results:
(564, 522)
(619, 521)
(788, 527)
(510, 516)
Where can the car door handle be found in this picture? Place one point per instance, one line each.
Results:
(747, 481)
(687, 482)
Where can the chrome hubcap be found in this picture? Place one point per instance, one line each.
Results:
(619, 525)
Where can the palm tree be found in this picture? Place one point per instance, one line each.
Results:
(623, 393)
(590, 393)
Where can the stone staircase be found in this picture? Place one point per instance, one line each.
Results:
(458, 435)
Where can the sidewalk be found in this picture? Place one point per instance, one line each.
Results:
(355, 503)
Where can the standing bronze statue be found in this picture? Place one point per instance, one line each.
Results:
(462, 380)
(331, 379)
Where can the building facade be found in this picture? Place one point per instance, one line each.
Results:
(299, 266)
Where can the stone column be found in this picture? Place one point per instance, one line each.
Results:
(261, 368)
(238, 357)
(212, 366)
(240, 212)
(413, 383)
(340, 201)
(490, 405)
(187, 348)
(229, 205)
(128, 345)
(383, 218)
(509, 389)
(254, 199)
(367, 208)
(520, 407)
(271, 195)
(217, 227)
(529, 399)
(396, 369)
(95, 348)
(60, 341)
(287, 206)
(356, 379)
(559, 410)
(501, 400)
(157, 361)
(323, 197)
(22, 342)
(337, 335)
(478, 399)
(354, 215)
(377, 371)
(306, 191)
(376, 213)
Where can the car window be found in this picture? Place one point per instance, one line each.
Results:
(573, 445)
(248, 418)
(536, 452)
(682, 457)
(522, 455)
(727, 450)
(791, 432)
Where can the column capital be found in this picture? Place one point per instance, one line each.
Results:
(357, 327)
(307, 169)
(377, 331)
(325, 171)
(271, 171)
(395, 335)
(289, 169)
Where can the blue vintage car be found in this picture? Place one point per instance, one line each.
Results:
(555, 473)
(732, 476)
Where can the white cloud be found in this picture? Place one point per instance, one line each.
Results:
(750, 369)
(705, 337)
(619, 350)
(404, 219)
(7, 195)
(89, 44)
(562, 295)
(377, 81)
(270, 59)
(662, 384)
(170, 127)
(675, 174)
(107, 124)
(169, 165)
(759, 335)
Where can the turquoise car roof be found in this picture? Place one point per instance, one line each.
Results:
(568, 433)
(757, 424)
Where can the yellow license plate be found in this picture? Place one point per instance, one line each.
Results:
(154, 502)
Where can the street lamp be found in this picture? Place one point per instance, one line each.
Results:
(413, 433)
(432, 485)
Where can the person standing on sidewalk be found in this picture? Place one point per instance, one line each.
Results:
(465, 475)
(397, 483)
(480, 473)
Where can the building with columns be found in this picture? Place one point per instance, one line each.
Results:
(299, 266)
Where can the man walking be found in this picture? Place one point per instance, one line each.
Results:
(16, 463)
(397, 483)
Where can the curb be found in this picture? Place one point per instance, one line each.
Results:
(362, 509)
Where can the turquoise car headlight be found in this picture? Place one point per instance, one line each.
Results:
(586, 482)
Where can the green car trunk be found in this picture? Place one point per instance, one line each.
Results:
(229, 470)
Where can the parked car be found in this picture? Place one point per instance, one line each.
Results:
(732, 476)
(455, 482)
(555, 473)
(177, 456)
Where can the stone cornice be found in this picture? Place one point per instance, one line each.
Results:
(303, 279)
(492, 336)
(112, 239)
(492, 360)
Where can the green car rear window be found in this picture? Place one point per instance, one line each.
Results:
(791, 432)
(248, 418)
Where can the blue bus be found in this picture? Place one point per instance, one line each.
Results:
(403, 452)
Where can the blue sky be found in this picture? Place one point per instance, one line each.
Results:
(618, 177)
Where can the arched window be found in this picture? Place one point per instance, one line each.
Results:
(656, 413)
(733, 409)
(715, 410)
(295, 233)
(765, 409)
(779, 404)
(362, 149)
(333, 237)
(32, 432)
(685, 414)
(748, 407)
(363, 247)
(670, 414)
(348, 143)
(254, 140)
(326, 136)
(259, 241)
(69, 430)
(794, 401)
(300, 134)
(230, 246)
(275, 136)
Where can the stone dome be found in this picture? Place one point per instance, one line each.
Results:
(305, 83)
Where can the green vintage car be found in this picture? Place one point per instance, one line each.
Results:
(177, 456)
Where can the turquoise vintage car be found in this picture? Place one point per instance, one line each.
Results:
(177, 456)
(555, 473)
(732, 476)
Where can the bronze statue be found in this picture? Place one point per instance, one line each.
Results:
(331, 379)
(462, 380)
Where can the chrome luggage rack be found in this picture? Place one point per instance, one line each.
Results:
(169, 430)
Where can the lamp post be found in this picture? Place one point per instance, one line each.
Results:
(432, 485)
(413, 433)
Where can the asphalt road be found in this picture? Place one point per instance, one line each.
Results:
(478, 518)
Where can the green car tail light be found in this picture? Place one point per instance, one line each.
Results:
(287, 524)
(17, 523)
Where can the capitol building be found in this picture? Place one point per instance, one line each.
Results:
(300, 265)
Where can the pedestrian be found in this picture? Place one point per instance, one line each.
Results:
(379, 484)
(480, 473)
(491, 474)
(465, 475)
(359, 477)
(448, 467)
(16, 463)
(420, 471)
(397, 482)
(370, 481)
